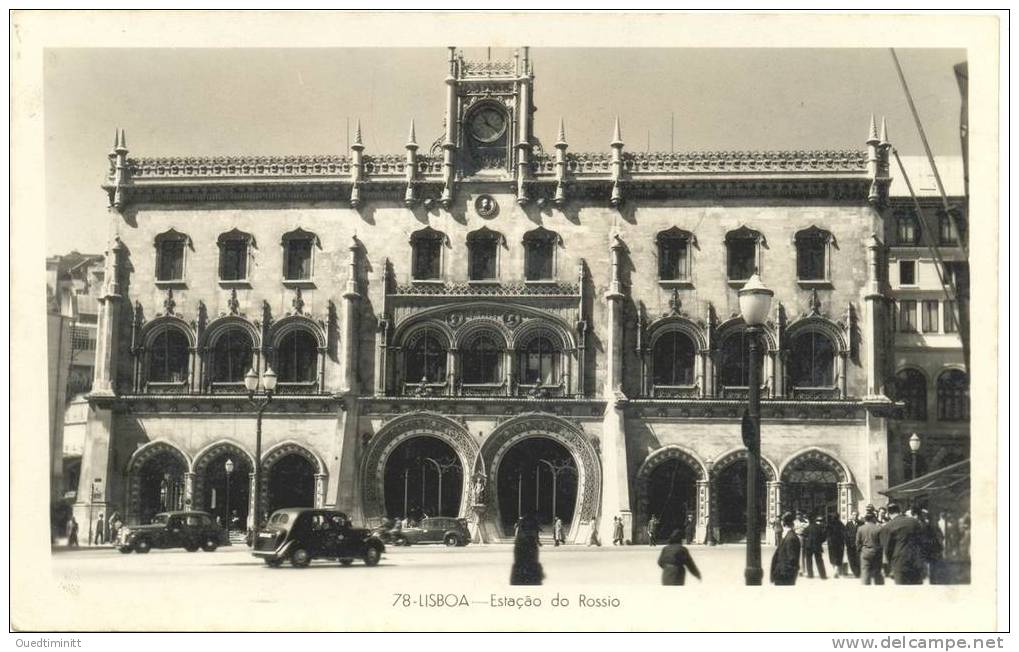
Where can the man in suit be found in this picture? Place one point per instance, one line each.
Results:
(813, 539)
(868, 545)
(852, 551)
(902, 539)
(785, 563)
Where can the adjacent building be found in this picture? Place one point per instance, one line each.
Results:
(492, 326)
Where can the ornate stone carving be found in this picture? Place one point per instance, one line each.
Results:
(232, 303)
(486, 206)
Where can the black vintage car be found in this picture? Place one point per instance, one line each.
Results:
(188, 530)
(302, 534)
(433, 529)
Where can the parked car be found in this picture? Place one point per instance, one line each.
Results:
(188, 530)
(434, 529)
(302, 534)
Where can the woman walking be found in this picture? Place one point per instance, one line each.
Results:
(675, 560)
(526, 568)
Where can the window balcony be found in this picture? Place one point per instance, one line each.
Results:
(173, 387)
(814, 393)
(675, 391)
(541, 391)
(304, 388)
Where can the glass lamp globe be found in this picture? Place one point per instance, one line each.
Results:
(251, 380)
(269, 379)
(755, 301)
(914, 443)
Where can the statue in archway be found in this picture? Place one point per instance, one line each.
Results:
(479, 488)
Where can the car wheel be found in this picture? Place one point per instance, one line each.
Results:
(401, 541)
(300, 558)
(452, 540)
(273, 563)
(346, 562)
(126, 550)
(372, 556)
(191, 547)
(142, 547)
(210, 545)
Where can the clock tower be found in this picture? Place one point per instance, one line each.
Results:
(490, 110)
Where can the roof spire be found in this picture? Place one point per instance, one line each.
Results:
(412, 138)
(357, 134)
(561, 139)
(617, 138)
(872, 138)
(884, 131)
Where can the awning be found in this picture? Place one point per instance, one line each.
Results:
(952, 480)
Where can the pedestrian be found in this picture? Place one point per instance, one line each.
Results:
(99, 538)
(557, 531)
(934, 546)
(868, 543)
(882, 516)
(652, 526)
(72, 532)
(617, 531)
(964, 534)
(852, 552)
(800, 527)
(526, 569)
(594, 539)
(813, 539)
(776, 526)
(691, 528)
(115, 523)
(785, 563)
(902, 539)
(675, 560)
(836, 544)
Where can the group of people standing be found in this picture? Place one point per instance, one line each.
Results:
(105, 530)
(884, 542)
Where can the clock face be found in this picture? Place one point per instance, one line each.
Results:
(487, 124)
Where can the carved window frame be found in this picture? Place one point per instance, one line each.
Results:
(660, 340)
(171, 237)
(299, 235)
(484, 236)
(682, 240)
(815, 236)
(953, 396)
(794, 352)
(906, 221)
(742, 235)
(230, 238)
(304, 377)
(433, 238)
(150, 349)
(541, 237)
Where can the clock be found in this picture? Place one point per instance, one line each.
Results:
(487, 124)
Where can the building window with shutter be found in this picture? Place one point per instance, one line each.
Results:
(907, 272)
(483, 254)
(929, 317)
(298, 255)
(539, 254)
(674, 255)
(813, 247)
(234, 251)
(907, 316)
(426, 253)
(951, 323)
(743, 253)
(170, 251)
(907, 227)
(953, 396)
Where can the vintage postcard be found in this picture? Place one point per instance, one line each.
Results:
(503, 322)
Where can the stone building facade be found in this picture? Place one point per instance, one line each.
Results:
(488, 327)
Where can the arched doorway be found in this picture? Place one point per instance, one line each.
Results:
(731, 491)
(423, 477)
(672, 497)
(223, 483)
(810, 484)
(537, 475)
(291, 483)
(160, 485)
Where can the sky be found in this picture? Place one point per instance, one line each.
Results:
(232, 101)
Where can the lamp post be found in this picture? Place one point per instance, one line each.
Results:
(91, 504)
(229, 468)
(406, 476)
(268, 387)
(754, 304)
(914, 448)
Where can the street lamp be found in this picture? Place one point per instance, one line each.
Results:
(754, 304)
(91, 503)
(914, 448)
(268, 387)
(229, 468)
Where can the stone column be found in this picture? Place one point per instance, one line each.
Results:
(615, 496)
(351, 300)
(107, 338)
(189, 490)
(703, 510)
(845, 500)
(95, 469)
(774, 504)
(320, 490)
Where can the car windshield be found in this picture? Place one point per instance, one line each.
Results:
(280, 518)
(160, 519)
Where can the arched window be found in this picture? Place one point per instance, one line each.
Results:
(538, 360)
(168, 357)
(426, 360)
(426, 246)
(811, 361)
(170, 250)
(231, 356)
(813, 259)
(297, 357)
(911, 387)
(734, 360)
(298, 254)
(539, 254)
(953, 396)
(674, 355)
(482, 254)
(743, 253)
(482, 361)
(907, 227)
(674, 254)
(234, 251)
